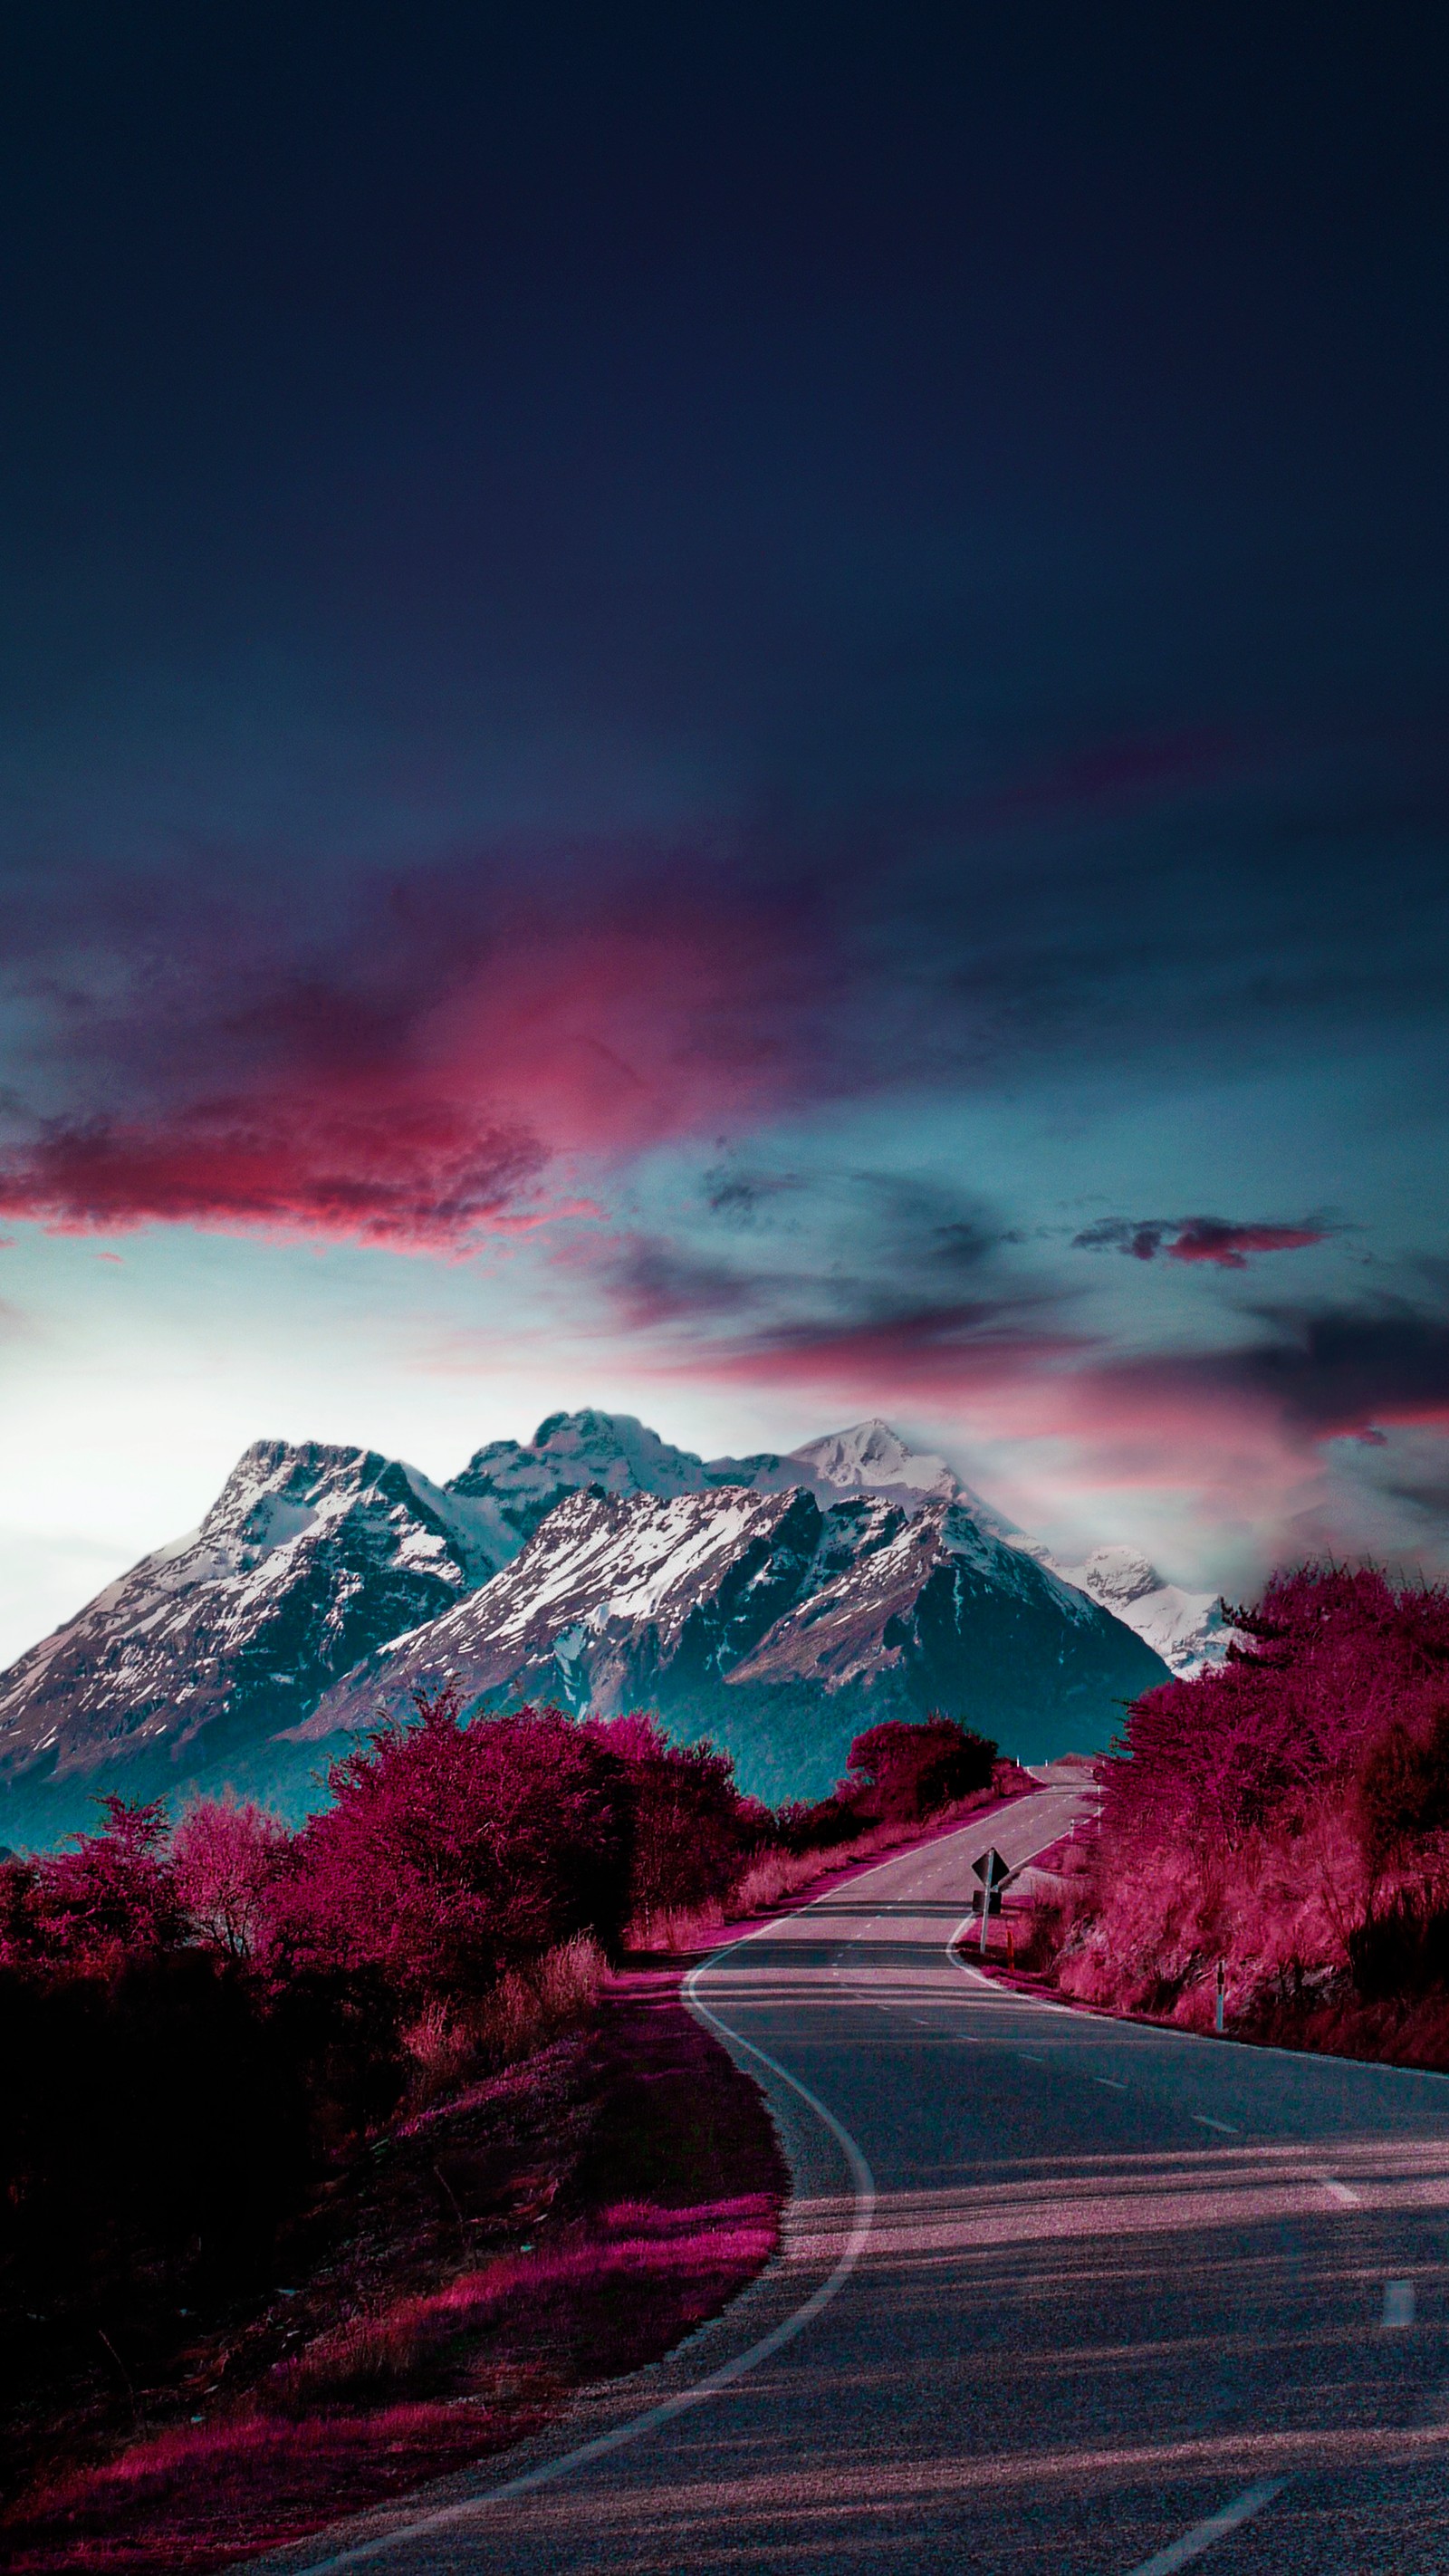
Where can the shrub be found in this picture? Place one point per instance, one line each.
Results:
(453, 1852)
(689, 1826)
(109, 1899)
(228, 1860)
(818, 1827)
(902, 1772)
(525, 2010)
(1287, 1812)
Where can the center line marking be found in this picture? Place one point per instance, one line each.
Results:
(1203, 2534)
(1229, 2128)
(1112, 2083)
(1340, 2191)
(1398, 2303)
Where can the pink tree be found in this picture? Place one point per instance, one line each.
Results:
(451, 1852)
(229, 1859)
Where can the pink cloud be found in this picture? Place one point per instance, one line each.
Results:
(417, 1094)
(402, 1174)
(1207, 1238)
(1213, 1239)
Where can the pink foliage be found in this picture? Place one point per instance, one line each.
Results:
(450, 1852)
(229, 1858)
(689, 1827)
(899, 1772)
(1262, 1812)
(110, 1897)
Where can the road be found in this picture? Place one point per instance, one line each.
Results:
(1058, 2294)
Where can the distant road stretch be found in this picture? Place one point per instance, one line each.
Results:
(1060, 2297)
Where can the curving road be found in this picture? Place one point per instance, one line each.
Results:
(1058, 2294)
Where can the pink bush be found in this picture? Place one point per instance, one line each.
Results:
(229, 1859)
(899, 1772)
(111, 1897)
(451, 1852)
(1264, 1813)
(689, 1827)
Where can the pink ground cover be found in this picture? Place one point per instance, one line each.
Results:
(505, 2249)
(665, 2204)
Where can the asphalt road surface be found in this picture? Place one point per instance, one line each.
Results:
(1057, 2294)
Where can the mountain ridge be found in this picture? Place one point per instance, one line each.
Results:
(773, 1623)
(210, 1659)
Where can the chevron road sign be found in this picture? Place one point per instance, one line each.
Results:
(992, 1871)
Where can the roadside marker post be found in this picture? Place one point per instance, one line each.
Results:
(991, 1870)
(1218, 2016)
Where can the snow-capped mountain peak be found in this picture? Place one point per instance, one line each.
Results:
(1187, 1629)
(855, 1565)
(778, 1623)
(516, 1484)
(310, 1556)
(871, 1458)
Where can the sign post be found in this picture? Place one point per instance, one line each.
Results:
(992, 1871)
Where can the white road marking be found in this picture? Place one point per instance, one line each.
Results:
(450, 2517)
(1398, 2303)
(1340, 2191)
(1202, 2535)
(1229, 2128)
(1113, 2083)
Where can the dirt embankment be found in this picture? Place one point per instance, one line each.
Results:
(565, 2221)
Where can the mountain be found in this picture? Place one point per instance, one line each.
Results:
(309, 1558)
(788, 1602)
(775, 1623)
(515, 1484)
(1187, 1629)
(870, 1458)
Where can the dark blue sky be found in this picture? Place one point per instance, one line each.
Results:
(817, 636)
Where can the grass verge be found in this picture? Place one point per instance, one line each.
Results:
(565, 2220)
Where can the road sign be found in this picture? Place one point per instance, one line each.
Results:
(992, 1871)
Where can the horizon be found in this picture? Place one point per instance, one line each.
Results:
(738, 721)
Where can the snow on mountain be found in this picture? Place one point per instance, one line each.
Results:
(597, 1604)
(870, 1458)
(767, 1599)
(309, 1557)
(1187, 1629)
(778, 1627)
(515, 1484)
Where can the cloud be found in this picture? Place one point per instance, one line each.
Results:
(1345, 1371)
(553, 1001)
(399, 1176)
(804, 1257)
(1240, 1440)
(458, 1040)
(1213, 1239)
(650, 1281)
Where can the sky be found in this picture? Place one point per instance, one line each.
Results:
(734, 713)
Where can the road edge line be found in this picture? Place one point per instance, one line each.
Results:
(451, 2516)
(1180, 2553)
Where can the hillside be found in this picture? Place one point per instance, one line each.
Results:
(776, 1625)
